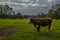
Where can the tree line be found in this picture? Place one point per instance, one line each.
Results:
(54, 12)
(7, 12)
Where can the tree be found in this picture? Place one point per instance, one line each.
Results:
(0, 11)
(51, 13)
(42, 15)
(39, 15)
(6, 11)
(54, 12)
(18, 15)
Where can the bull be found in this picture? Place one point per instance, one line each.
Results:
(38, 22)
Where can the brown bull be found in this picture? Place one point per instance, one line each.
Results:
(37, 22)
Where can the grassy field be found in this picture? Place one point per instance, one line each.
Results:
(28, 32)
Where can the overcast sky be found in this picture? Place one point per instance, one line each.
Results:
(29, 4)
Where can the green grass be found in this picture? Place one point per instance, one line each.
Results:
(28, 32)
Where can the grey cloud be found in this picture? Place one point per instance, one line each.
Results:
(4, 0)
(30, 6)
(55, 2)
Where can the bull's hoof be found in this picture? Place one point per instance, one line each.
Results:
(48, 30)
(38, 31)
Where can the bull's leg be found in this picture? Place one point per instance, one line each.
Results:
(49, 28)
(38, 28)
(34, 25)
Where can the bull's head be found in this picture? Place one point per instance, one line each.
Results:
(30, 20)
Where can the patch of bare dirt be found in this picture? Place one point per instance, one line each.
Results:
(8, 30)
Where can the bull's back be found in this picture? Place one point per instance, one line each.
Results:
(45, 22)
(42, 21)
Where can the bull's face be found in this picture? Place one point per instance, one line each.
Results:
(30, 21)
